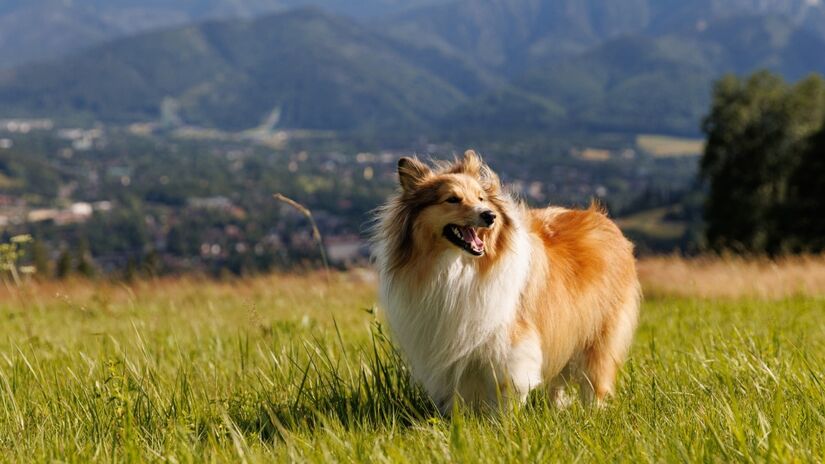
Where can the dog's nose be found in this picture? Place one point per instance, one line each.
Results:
(488, 216)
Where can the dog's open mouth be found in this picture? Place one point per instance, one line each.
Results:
(465, 238)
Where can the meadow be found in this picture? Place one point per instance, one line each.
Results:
(727, 366)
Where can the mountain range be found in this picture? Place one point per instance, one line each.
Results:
(35, 30)
(640, 83)
(477, 67)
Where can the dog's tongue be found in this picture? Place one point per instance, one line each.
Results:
(469, 235)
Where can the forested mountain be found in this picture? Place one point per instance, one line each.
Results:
(645, 83)
(32, 30)
(468, 66)
(509, 35)
(305, 68)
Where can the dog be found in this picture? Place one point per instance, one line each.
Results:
(488, 299)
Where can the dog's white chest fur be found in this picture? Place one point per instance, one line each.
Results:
(457, 318)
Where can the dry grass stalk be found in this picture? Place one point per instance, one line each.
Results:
(316, 233)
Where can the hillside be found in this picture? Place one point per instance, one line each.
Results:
(641, 83)
(470, 68)
(509, 35)
(494, 31)
(33, 30)
(310, 69)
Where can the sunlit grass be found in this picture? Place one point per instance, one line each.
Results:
(734, 277)
(284, 368)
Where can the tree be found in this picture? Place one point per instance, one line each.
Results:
(85, 267)
(131, 270)
(40, 258)
(152, 264)
(806, 216)
(757, 131)
(64, 265)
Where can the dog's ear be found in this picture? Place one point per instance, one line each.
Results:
(474, 166)
(411, 172)
(490, 180)
(471, 164)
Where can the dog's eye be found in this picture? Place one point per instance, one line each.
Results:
(454, 199)
(480, 198)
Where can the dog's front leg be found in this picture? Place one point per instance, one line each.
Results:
(523, 368)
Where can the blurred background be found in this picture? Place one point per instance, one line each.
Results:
(146, 137)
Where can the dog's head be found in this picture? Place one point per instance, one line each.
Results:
(452, 206)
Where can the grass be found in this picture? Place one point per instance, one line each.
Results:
(283, 368)
(734, 277)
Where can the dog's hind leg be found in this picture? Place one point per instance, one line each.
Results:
(603, 358)
(557, 389)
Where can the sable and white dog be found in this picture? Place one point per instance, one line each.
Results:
(489, 299)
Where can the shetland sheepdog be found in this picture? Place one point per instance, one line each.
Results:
(489, 299)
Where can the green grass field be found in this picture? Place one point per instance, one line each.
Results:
(283, 368)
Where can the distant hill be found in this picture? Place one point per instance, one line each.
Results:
(642, 83)
(493, 32)
(509, 35)
(465, 67)
(307, 68)
(34, 30)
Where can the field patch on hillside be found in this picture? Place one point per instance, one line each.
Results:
(663, 146)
